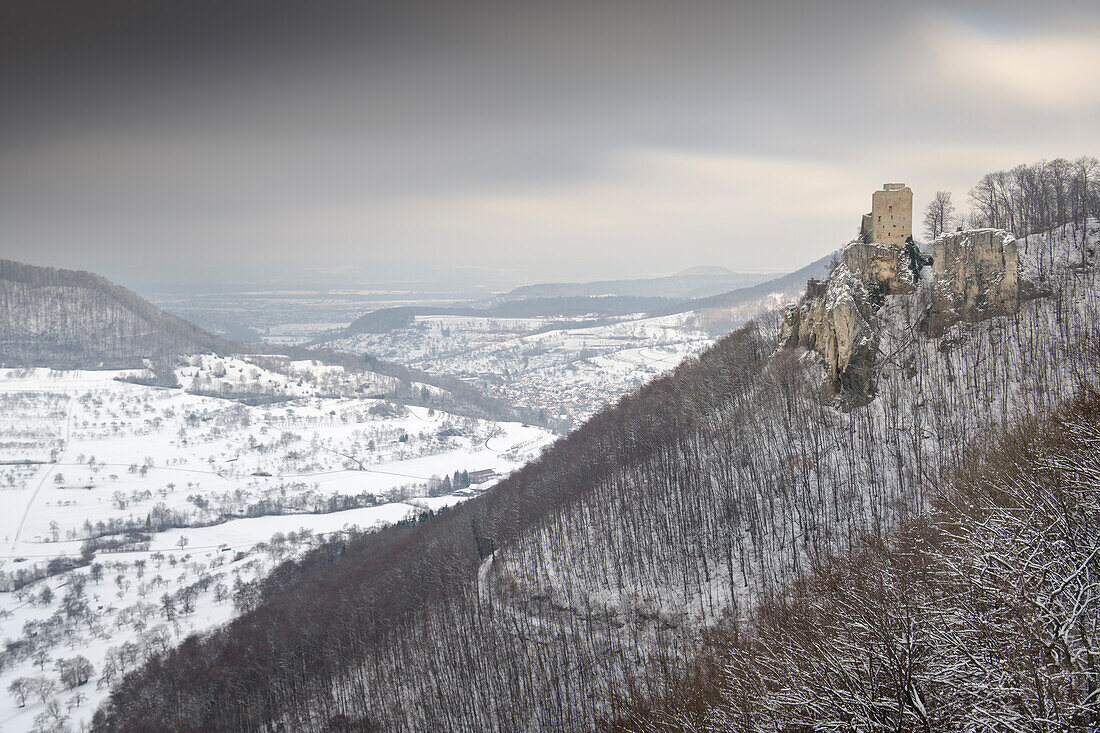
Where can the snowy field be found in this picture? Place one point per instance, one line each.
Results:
(134, 515)
(568, 370)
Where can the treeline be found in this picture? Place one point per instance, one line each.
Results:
(389, 319)
(981, 614)
(1041, 197)
(457, 396)
(24, 576)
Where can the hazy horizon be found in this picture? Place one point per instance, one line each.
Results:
(494, 143)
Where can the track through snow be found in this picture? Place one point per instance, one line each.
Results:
(46, 470)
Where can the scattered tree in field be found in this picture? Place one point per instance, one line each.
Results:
(168, 606)
(20, 688)
(74, 671)
(51, 720)
(43, 687)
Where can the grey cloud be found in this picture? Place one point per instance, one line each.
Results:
(355, 133)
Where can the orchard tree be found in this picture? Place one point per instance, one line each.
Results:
(168, 606)
(52, 719)
(43, 687)
(74, 671)
(20, 688)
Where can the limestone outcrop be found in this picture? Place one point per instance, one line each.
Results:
(975, 276)
(884, 265)
(836, 319)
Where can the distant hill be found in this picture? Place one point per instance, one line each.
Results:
(71, 318)
(389, 319)
(695, 282)
(598, 300)
(784, 288)
(74, 319)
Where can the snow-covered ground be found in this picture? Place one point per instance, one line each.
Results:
(563, 366)
(150, 510)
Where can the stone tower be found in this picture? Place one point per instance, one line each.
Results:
(892, 214)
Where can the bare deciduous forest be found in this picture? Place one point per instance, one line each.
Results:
(983, 610)
(74, 318)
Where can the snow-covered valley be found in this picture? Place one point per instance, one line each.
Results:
(569, 368)
(136, 515)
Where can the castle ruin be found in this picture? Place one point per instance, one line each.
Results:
(973, 275)
(891, 217)
(883, 253)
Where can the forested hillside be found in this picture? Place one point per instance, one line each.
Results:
(983, 610)
(589, 576)
(70, 318)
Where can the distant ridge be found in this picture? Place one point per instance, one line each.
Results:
(706, 270)
(531, 301)
(71, 318)
(694, 282)
(787, 287)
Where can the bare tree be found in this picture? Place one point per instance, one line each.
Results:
(938, 215)
(43, 687)
(21, 688)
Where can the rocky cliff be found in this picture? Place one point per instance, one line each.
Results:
(836, 318)
(975, 276)
(972, 275)
(881, 266)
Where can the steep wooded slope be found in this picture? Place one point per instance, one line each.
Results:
(983, 613)
(70, 318)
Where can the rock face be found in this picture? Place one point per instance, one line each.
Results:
(836, 319)
(975, 276)
(882, 264)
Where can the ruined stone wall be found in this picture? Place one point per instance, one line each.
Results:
(866, 228)
(881, 264)
(892, 214)
(975, 276)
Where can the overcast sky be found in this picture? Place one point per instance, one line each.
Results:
(519, 141)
